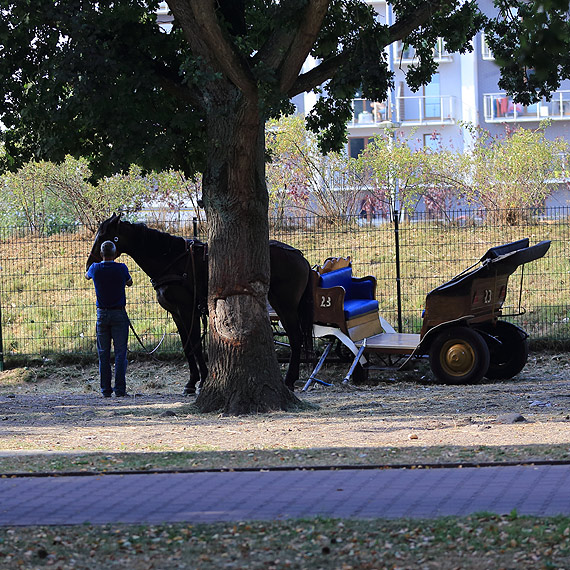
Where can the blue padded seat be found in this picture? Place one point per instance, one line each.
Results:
(360, 289)
(339, 277)
(356, 307)
(358, 294)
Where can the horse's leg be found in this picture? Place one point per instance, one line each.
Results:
(291, 295)
(194, 350)
(290, 323)
(175, 300)
(294, 333)
(187, 342)
(288, 284)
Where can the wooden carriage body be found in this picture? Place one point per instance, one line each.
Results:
(461, 331)
(478, 295)
(345, 301)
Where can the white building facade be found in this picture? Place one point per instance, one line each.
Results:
(464, 90)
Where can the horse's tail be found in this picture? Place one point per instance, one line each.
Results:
(306, 312)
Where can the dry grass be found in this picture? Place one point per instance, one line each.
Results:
(406, 418)
(53, 419)
(47, 305)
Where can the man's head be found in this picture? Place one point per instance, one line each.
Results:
(108, 250)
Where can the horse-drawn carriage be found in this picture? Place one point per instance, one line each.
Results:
(462, 333)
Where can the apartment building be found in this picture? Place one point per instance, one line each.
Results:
(465, 89)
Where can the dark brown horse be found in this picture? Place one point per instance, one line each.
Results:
(178, 269)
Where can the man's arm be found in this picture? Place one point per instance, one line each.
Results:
(127, 275)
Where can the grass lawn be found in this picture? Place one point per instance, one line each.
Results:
(483, 541)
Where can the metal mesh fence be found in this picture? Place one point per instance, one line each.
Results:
(48, 307)
(432, 251)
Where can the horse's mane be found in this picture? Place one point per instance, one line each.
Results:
(156, 240)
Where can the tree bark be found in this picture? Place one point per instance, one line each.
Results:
(244, 373)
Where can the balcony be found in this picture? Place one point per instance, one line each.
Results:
(500, 108)
(163, 17)
(366, 113)
(407, 55)
(426, 110)
(410, 111)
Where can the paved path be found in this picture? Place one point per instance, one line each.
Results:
(255, 495)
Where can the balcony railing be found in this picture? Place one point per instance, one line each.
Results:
(366, 113)
(425, 110)
(410, 111)
(408, 54)
(500, 108)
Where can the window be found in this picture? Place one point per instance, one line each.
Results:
(356, 145)
(432, 141)
(486, 52)
(432, 99)
(404, 52)
(440, 52)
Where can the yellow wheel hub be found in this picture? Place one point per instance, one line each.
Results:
(457, 358)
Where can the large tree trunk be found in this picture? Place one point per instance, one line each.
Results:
(244, 374)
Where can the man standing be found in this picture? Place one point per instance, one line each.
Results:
(110, 279)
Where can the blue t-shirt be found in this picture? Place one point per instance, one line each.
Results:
(110, 279)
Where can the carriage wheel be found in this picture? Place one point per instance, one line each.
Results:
(459, 355)
(509, 354)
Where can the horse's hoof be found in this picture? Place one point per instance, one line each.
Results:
(189, 392)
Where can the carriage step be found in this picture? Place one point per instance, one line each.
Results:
(313, 376)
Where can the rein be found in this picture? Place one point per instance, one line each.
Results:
(149, 352)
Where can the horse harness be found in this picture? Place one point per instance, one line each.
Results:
(171, 277)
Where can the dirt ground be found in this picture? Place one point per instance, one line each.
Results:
(59, 409)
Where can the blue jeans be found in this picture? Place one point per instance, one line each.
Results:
(112, 324)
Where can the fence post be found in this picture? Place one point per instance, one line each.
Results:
(195, 226)
(1, 343)
(398, 283)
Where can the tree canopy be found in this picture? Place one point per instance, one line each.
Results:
(531, 42)
(96, 80)
(100, 79)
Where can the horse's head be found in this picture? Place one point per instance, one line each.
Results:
(108, 231)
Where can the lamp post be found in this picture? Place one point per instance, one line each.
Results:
(393, 180)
